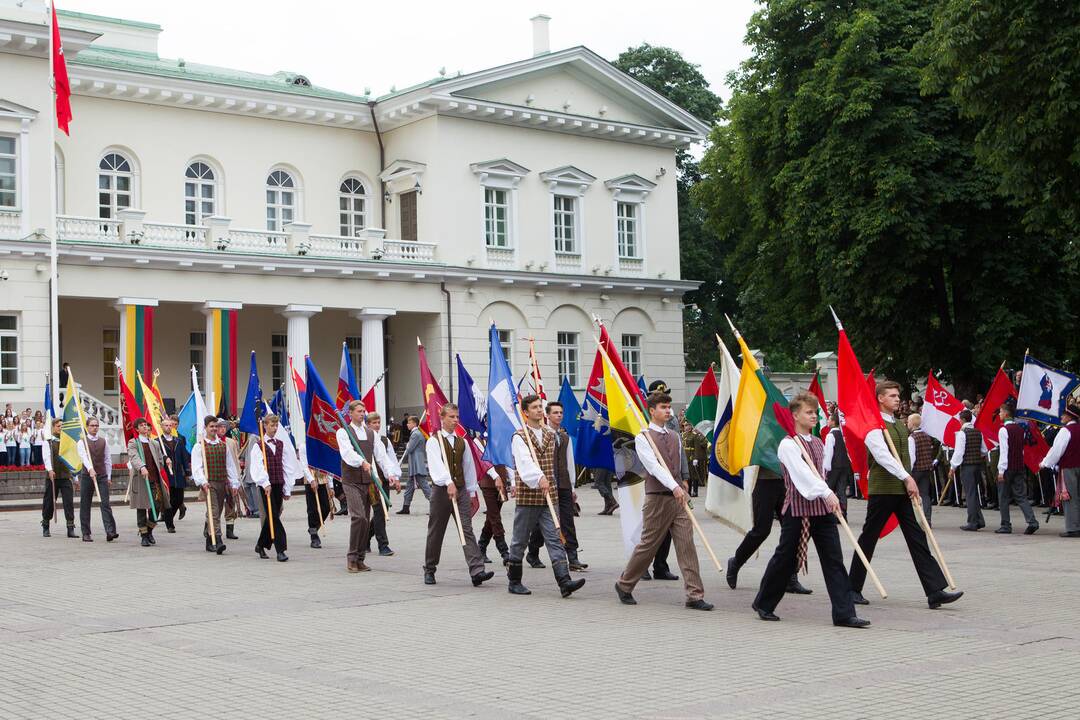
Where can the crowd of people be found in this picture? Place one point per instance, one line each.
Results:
(23, 437)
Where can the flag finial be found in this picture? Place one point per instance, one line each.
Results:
(835, 318)
(728, 318)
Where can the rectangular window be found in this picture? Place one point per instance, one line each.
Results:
(626, 219)
(630, 350)
(567, 351)
(9, 350)
(505, 341)
(565, 225)
(110, 351)
(7, 171)
(407, 203)
(197, 351)
(496, 218)
(279, 361)
(352, 342)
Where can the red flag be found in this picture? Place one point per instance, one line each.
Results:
(60, 78)
(298, 382)
(434, 398)
(871, 381)
(129, 409)
(988, 422)
(816, 391)
(939, 412)
(627, 379)
(369, 400)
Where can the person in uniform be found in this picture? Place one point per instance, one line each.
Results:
(921, 450)
(665, 509)
(893, 492)
(378, 516)
(696, 447)
(454, 476)
(216, 472)
(179, 460)
(97, 468)
(809, 511)
(275, 472)
(1012, 472)
(358, 449)
(149, 493)
(1065, 456)
(57, 485)
(533, 488)
(416, 456)
(968, 462)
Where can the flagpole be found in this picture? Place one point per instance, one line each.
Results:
(54, 295)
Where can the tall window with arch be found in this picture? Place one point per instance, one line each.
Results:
(200, 193)
(352, 207)
(115, 183)
(280, 199)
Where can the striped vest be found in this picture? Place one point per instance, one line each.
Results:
(924, 451)
(214, 460)
(794, 502)
(972, 447)
(545, 456)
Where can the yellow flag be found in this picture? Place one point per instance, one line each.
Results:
(153, 408)
(71, 431)
(623, 413)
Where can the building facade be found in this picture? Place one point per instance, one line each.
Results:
(534, 194)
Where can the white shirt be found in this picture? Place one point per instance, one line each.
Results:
(352, 458)
(648, 458)
(84, 455)
(290, 466)
(806, 481)
(526, 466)
(911, 449)
(830, 448)
(960, 445)
(437, 469)
(198, 465)
(1003, 448)
(879, 448)
(1058, 448)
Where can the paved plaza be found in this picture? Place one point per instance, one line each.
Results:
(121, 631)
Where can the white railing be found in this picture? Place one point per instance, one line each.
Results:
(500, 257)
(335, 246)
(173, 236)
(274, 242)
(408, 251)
(631, 265)
(9, 224)
(108, 418)
(567, 261)
(85, 229)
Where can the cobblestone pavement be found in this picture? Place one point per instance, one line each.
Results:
(121, 631)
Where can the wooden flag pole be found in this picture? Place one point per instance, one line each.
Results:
(318, 504)
(536, 459)
(209, 503)
(453, 503)
(266, 466)
(663, 463)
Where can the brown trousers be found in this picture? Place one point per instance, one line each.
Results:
(660, 514)
(440, 513)
(358, 499)
(217, 502)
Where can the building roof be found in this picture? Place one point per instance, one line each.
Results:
(107, 19)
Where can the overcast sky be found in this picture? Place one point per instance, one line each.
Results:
(350, 46)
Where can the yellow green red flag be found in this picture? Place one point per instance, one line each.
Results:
(754, 433)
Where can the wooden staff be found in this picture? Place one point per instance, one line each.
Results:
(660, 459)
(209, 504)
(922, 518)
(318, 504)
(539, 387)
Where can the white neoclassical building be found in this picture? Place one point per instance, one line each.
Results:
(534, 194)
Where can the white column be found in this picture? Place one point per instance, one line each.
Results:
(299, 333)
(372, 354)
(211, 366)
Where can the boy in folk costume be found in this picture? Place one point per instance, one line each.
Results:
(453, 477)
(97, 469)
(57, 485)
(356, 473)
(533, 486)
(378, 517)
(215, 471)
(1065, 456)
(809, 511)
(665, 507)
(1012, 472)
(149, 494)
(276, 471)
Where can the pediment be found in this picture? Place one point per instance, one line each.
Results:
(630, 183)
(15, 110)
(501, 167)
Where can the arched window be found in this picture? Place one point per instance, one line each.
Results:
(280, 199)
(352, 207)
(200, 193)
(115, 180)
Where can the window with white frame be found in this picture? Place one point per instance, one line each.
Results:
(627, 223)
(197, 351)
(7, 171)
(200, 193)
(566, 347)
(280, 199)
(630, 350)
(496, 217)
(565, 220)
(9, 350)
(505, 342)
(115, 184)
(279, 359)
(110, 351)
(352, 207)
(352, 344)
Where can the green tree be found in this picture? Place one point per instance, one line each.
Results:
(838, 182)
(666, 71)
(1013, 67)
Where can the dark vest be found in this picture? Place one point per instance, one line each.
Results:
(1071, 457)
(275, 465)
(972, 447)
(1015, 432)
(562, 469)
(60, 468)
(357, 476)
(924, 451)
(840, 460)
(670, 446)
(214, 462)
(455, 459)
(97, 455)
(882, 482)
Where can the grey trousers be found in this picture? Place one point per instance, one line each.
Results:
(1015, 488)
(1071, 507)
(527, 517)
(971, 476)
(86, 503)
(439, 516)
(410, 488)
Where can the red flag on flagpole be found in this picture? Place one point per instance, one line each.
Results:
(129, 409)
(988, 422)
(434, 398)
(60, 78)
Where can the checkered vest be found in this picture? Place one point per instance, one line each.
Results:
(924, 451)
(275, 465)
(214, 460)
(545, 456)
(972, 447)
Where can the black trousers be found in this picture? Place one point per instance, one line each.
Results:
(566, 520)
(176, 500)
(878, 510)
(280, 541)
(660, 562)
(54, 488)
(826, 537)
(377, 529)
(766, 501)
(313, 507)
(144, 521)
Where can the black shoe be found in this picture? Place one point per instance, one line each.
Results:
(71, 532)
(534, 562)
(513, 575)
(664, 575)
(646, 576)
(145, 541)
(1003, 531)
(852, 622)
(481, 577)
(624, 597)
(567, 586)
(343, 511)
(220, 548)
(483, 545)
(765, 614)
(150, 537)
(229, 534)
(942, 597)
(429, 578)
(282, 557)
(170, 529)
(261, 552)
(579, 566)
(45, 531)
(858, 599)
(108, 537)
(699, 605)
(385, 552)
(980, 526)
(797, 588)
(1031, 529)
(969, 528)
(732, 573)
(183, 511)
(209, 545)
(403, 511)
(315, 541)
(87, 538)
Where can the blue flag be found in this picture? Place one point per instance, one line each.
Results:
(280, 407)
(641, 384)
(503, 417)
(189, 420)
(50, 409)
(593, 447)
(571, 410)
(469, 405)
(322, 424)
(254, 408)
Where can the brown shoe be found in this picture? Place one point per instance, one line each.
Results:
(361, 567)
(352, 567)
